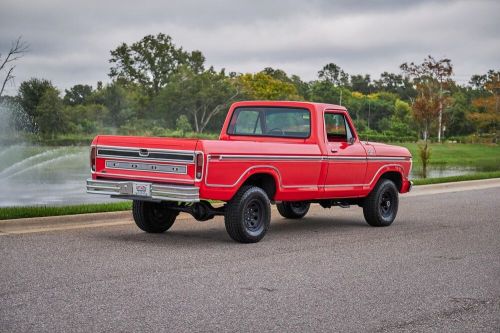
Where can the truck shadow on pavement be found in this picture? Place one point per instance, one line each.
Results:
(214, 232)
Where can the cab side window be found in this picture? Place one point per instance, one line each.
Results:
(337, 128)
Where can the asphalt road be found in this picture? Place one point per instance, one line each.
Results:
(437, 268)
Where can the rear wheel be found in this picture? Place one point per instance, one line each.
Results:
(153, 217)
(248, 215)
(293, 209)
(381, 206)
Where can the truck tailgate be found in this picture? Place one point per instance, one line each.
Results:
(160, 160)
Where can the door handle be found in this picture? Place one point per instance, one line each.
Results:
(334, 150)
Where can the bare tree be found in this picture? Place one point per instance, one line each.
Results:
(16, 51)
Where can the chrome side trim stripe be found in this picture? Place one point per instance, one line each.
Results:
(389, 158)
(266, 157)
(345, 158)
(226, 157)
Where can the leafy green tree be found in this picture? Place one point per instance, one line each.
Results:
(397, 84)
(401, 120)
(333, 74)
(122, 102)
(79, 94)
(478, 81)
(303, 88)
(86, 119)
(487, 115)
(50, 114)
(277, 74)
(152, 61)
(326, 92)
(261, 86)
(361, 83)
(456, 115)
(29, 96)
(201, 96)
(182, 124)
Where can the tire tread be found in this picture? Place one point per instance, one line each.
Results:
(142, 213)
(232, 218)
(370, 205)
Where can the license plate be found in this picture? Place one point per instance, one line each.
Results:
(141, 189)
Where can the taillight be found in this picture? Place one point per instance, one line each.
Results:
(199, 165)
(92, 158)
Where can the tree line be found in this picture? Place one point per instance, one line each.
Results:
(157, 87)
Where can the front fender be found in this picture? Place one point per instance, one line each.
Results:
(383, 170)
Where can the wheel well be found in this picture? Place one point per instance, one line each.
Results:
(265, 181)
(395, 177)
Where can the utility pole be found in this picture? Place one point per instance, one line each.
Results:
(440, 117)
(369, 107)
(496, 93)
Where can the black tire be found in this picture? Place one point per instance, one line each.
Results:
(293, 209)
(381, 206)
(153, 217)
(248, 215)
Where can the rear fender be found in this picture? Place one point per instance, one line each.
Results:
(260, 170)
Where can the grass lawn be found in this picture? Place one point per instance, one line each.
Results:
(473, 176)
(483, 157)
(7, 213)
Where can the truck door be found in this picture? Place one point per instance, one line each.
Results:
(346, 157)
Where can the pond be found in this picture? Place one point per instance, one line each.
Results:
(38, 175)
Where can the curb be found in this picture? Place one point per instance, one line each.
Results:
(63, 222)
(453, 187)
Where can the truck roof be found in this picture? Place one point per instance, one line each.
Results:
(317, 106)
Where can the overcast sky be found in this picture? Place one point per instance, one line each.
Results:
(70, 40)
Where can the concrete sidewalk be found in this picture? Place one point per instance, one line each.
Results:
(67, 222)
(468, 185)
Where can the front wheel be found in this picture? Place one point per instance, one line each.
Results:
(293, 209)
(248, 215)
(381, 206)
(153, 217)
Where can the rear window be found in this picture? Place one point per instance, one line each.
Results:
(271, 121)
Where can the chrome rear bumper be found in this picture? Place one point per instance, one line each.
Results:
(123, 189)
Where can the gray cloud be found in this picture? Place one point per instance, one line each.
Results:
(70, 41)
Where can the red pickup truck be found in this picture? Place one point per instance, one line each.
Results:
(290, 154)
